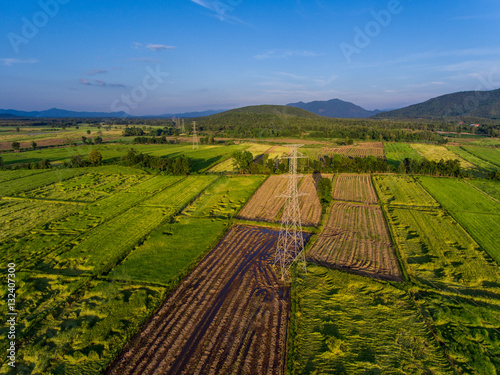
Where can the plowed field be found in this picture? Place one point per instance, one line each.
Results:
(354, 188)
(266, 204)
(229, 316)
(356, 238)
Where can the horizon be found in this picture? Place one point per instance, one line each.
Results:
(200, 55)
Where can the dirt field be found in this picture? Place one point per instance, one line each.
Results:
(354, 188)
(356, 238)
(229, 316)
(266, 205)
(360, 150)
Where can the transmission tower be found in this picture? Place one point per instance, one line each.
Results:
(183, 129)
(290, 246)
(195, 137)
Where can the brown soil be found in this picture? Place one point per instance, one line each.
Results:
(354, 188)
(229, 316)
(356, 238)
(267, 204)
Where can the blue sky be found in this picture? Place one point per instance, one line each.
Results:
(155, 57)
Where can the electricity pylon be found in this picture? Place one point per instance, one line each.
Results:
(183, 129)
(290, 246)
(195, 137)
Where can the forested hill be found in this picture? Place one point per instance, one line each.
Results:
(279, 110)
(335, 108)
(477, 104)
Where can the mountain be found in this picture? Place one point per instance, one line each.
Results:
(8, 115)
(191, 114)
(271, 110)
(483, 104)
(61, 113)
(335, 108)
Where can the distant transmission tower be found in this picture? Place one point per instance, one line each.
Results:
(290, 246)
(183, 129)
(195, 137)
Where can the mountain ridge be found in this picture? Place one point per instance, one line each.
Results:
(335, 108)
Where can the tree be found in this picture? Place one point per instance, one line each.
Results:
(98, 140)
(84, 139)
(95, 157)
(1, 162)
(88, 131)
(242, 160)
(325, 191)
(17, 129)
(16, 145)
(33, 144)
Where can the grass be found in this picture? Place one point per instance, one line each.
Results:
(491, 155)
(402, 190)
(468, 329)
(436, 153)
(492, 188)
(483, 166)
(438, 252)
(170, 250)
(85, 335)
(397, 152)
(203, 158)
(458, 196)
(225, 197)
(476, 211)
(347, 324)
(29, 182)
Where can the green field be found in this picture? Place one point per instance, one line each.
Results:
(71, 295)
(348, 324)
(203, 158)
(477, 212)
(492, 188)
(89, 331)
(397, 152)
(402, 190)
(483, 165)
(491, 155)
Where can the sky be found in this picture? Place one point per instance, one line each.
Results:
(156, 57)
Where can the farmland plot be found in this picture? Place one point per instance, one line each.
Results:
(266, 204)
(347, 324)
(29, 182)
(364, 150)
(354, 188)
(397, 152)
(491, 155)
(356, 238)
(86, 334)
(438, 252)
(403, 191)
(436, 153)
(475, 210)
(101, 248)
(230, 315)
(84, 188)
(20, 173)
(19, 216)
(180, 194)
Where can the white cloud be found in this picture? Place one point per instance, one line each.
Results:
(10, 61)
(159, 47)
(96, 72)
(99, 82)
(285, 53)
(220, 9)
